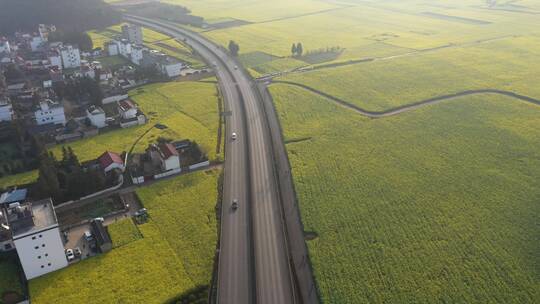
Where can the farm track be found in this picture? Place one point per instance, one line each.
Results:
(411, 106)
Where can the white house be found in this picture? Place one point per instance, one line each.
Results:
(71, 56)
(170, 159)
(4, 46)
(137, 54)
(36, 42)
(55, 60)
(50, 112)
(127, 109)
(36, 236)
(171, 68)
(133, 33)
(96, 115)
(6, 109)
(109, 161)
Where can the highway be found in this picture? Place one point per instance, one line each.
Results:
(254, 259)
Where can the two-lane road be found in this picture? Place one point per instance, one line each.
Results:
(253, 260)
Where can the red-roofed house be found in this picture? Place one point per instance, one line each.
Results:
(127, 109)
(110, 160)
(170, 157)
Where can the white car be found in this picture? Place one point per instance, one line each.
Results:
(233, 136)
(236, 67)
(234, 204)
(70, 255)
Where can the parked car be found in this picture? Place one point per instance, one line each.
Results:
(99, 219)
(69, 255)
(234, 205)
(88, 236)
(77, 251)
(141, 212)
(233, 136)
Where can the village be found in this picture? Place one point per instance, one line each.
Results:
(53, 93)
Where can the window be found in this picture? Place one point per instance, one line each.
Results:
(49, 264)
(33, 238)
(37, 247)
(42, 245)
(42, 266)
(40, 235)
(39, 257)
(7, 246)
(46, 254)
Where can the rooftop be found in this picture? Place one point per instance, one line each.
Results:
(108, 158)
(126, 105)
(95, 110)
(168, 150)
(12, 196)
(31, 217)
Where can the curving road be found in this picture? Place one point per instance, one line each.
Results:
(253, 262)
(410, 106)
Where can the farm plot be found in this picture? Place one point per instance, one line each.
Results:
(508, 64)
(435, 205)
(188, 109)
(174, 256)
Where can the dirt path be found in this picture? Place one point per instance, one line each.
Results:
(411, 106)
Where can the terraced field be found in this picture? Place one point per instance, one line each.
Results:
(434, 205)
(174, 255)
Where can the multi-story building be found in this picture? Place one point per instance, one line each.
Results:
(6, 109)
(71, 56)
(137, 54)
(133, 33)
(112, 48)
(166, 65)
(36, 236)
(50, 112)
(36, 43)
(55, 60)
(124, 48)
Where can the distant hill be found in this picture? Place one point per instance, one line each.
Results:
(72, 15)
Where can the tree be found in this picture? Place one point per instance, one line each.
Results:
(47, 183)
(299, 49)
(234, 48)
(293, 50)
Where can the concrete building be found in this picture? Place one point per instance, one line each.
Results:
(168, 66)
(111, 47)
(55, 60)
(36, 237)
(96, 115)
(133, 33)
(71, 56)
(36, 43)
(137, 53)
(45, 30)
(6, 109)
(50, 112)
(124, 48)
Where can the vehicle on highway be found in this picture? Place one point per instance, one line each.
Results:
(234, 204)
(233, 136)
(69, 255)
(236, 67)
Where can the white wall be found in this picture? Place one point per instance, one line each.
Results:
(171, 163)
(50, 250)
(172, 70)
(97, 120)
(50, 115)
(71, 57)
(114, 166)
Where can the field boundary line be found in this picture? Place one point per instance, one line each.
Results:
(410, 106)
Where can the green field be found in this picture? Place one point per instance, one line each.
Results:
(123, 233)
(175, 254)
(508, 64)
(435, 205)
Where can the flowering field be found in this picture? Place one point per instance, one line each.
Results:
(435, 205)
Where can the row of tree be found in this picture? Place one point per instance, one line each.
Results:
(297, 49)
(66, 179)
